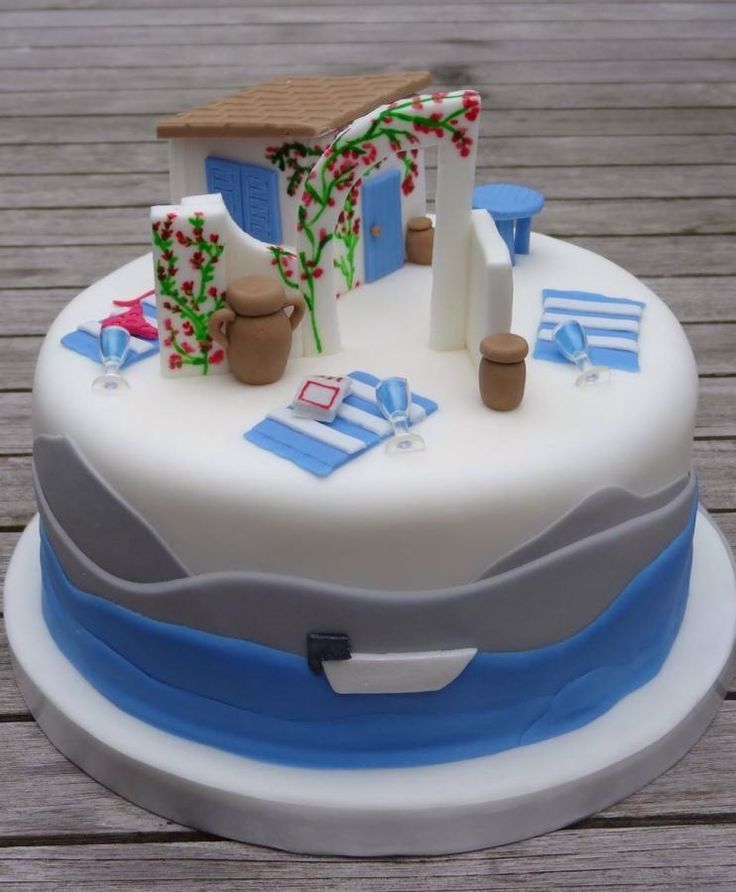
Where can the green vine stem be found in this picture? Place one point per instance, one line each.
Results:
(191, 302)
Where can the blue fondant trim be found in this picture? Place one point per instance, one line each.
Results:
(266, 704)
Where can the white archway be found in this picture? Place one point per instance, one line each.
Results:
(447, 120)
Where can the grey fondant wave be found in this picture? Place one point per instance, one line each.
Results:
(97, 519)
(546, 599)
(606, 508)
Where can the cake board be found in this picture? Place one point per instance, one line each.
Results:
(435, 809)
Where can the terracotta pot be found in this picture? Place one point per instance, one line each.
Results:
(419, 240)
(502, 371)
(254, 328)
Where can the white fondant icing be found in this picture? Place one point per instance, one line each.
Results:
(409, 673)
(490, 283)
(585, 306)
(487, 482)
(594, 321)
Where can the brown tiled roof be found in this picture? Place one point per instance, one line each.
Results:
(294, 106)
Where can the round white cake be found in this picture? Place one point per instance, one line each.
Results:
(487, 483)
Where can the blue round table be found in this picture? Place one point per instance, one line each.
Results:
(512, 208)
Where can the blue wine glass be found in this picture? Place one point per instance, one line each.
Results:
(394, 400)
(114, 346)
(572, 342)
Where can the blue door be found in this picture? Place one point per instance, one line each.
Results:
(383, 235)
(251, 195)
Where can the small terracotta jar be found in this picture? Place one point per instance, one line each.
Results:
(255, 330)
(502, 372)
(419, 240)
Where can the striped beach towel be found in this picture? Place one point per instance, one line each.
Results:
(85, 338)
(322, 447)
(611, 324)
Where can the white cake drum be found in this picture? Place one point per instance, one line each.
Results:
(423, 810)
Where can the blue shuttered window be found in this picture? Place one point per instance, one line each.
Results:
(251, 195)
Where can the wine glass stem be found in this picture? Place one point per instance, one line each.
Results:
(400, 424)
(583, 363)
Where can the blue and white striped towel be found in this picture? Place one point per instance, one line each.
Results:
(321, 447)
(85, 339)
(611, 324)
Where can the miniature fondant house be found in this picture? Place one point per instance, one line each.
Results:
(266, 183)
(256, 147)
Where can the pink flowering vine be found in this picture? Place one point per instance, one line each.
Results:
(296, 158)
(192, 301)
(347, 231)
(401, 126)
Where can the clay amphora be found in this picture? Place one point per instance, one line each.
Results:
(255, 330)
(419, 240)
(502, 372)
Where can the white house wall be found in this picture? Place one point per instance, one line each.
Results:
(187, 177)
(490, 283)
(187, 169)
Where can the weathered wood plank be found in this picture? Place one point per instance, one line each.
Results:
(74, 267)
(584, 858)
(714, 461)
(133, 6)
(45, 795)
(12, 705)
(341, 13)
(129, 226)
(643, 217)
(31, 311)
(17, 504)
(492, 72)
(716, 416)
(7, 544)
(697, 299)
(570, 183)
(535, 151)
(15, 423)
(95, 191)
(377, 33)
(665, 255)
(498, 122)
(155, 101)
(449, 64)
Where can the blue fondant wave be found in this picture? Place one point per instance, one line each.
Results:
(260, 702)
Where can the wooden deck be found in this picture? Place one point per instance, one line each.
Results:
(621, 112)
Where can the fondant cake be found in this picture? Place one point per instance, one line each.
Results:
(239, 609)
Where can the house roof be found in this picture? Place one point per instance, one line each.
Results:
(294, 106)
